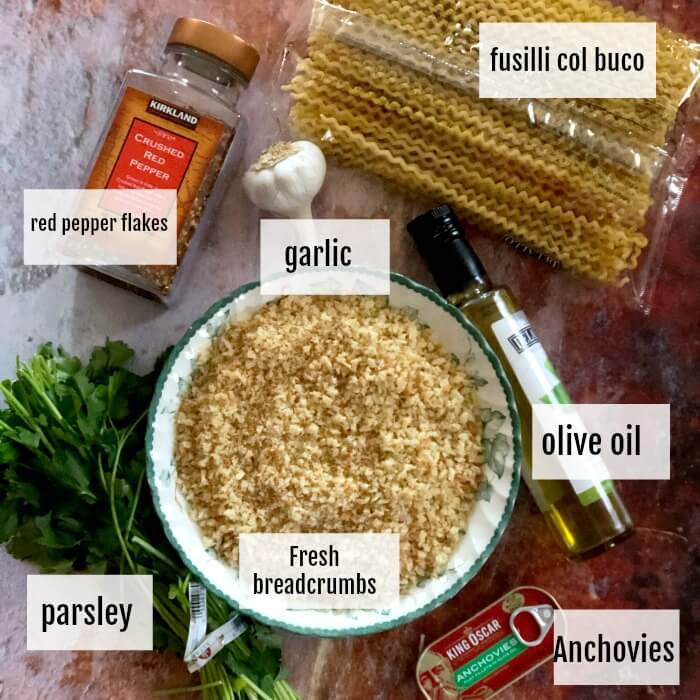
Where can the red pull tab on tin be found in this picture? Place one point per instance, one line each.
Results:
(492, 649)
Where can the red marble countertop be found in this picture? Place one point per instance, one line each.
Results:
(62, 60)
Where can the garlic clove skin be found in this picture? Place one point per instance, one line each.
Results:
(286, 178)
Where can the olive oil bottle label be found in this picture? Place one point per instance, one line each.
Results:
(152, 144)
(539, 381)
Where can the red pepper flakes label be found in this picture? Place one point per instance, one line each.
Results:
(151, 157)
(146, 148)
(482, 656)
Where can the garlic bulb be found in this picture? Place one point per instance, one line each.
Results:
(285, 178)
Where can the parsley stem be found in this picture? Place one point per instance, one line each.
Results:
(228, 693)
(130, 519)
(112, 503)
(177, 612)
(101, 472)
(285, 691)
(26, 374)
(159, 603)
(154, 552)
(113, 506)
(16, 405)
(259, 691)
(137, 495)
(212, 671)
(208, 675)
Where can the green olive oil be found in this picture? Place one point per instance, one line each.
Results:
(587, 516)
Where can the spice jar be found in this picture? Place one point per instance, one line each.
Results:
(176, 130)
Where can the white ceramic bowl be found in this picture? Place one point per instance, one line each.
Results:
(487, 520)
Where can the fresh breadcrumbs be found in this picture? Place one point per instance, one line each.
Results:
(331, 414)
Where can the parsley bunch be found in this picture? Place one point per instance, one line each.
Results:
(73, 498)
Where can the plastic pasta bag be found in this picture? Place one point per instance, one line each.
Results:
(391, 87)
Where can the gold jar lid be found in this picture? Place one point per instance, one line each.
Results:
(217, 42)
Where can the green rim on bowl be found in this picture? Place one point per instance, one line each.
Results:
(393, 621)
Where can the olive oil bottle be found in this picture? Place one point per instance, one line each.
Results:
(587, 516)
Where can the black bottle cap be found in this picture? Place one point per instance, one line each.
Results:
(440, 240)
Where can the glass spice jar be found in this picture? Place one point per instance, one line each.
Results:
(186, 115)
